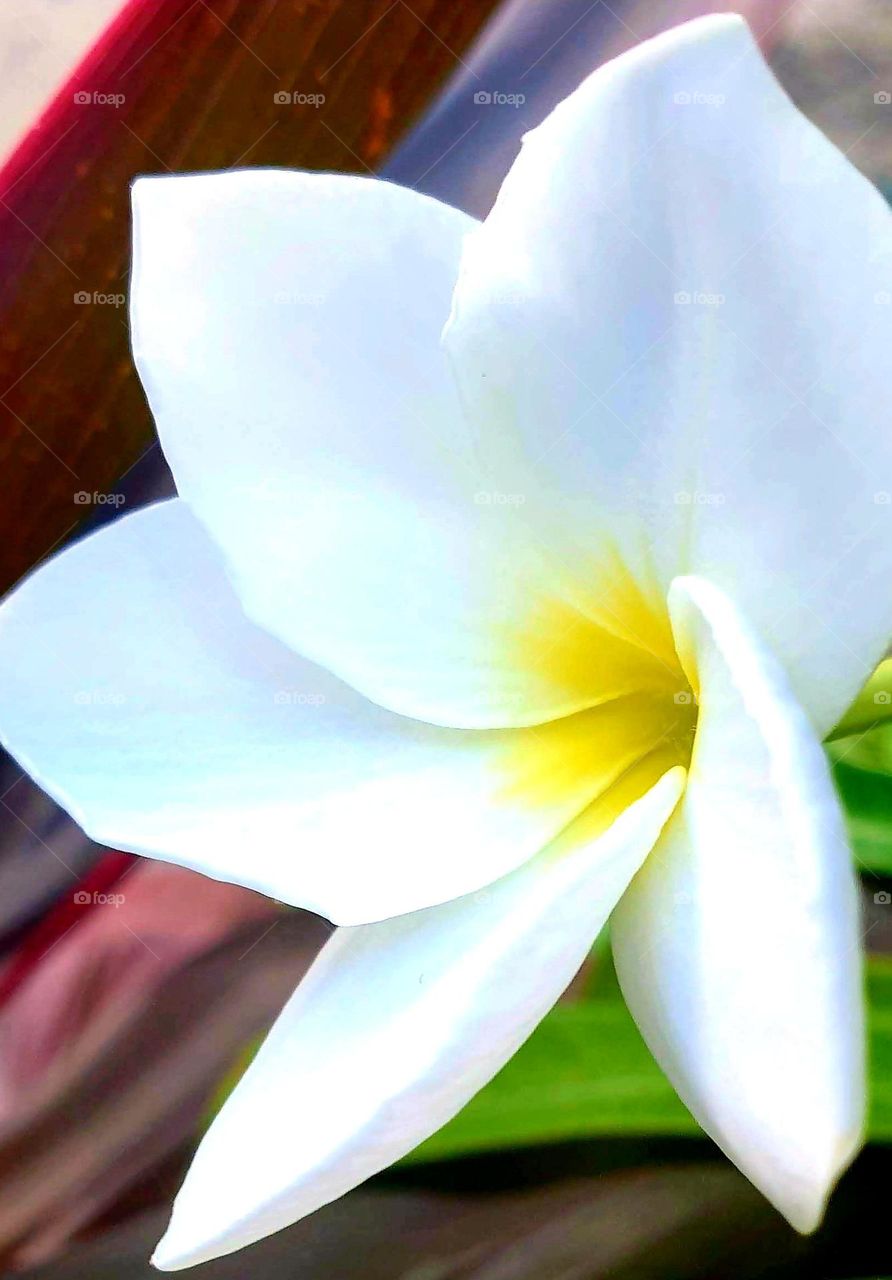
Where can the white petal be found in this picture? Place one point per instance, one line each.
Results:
(135, 691)
(396, 1026)
(738, 944)
(287, 329)
(678, 316)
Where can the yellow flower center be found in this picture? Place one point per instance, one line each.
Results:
(637, 713)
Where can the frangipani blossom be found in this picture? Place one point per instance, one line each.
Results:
(517, 571)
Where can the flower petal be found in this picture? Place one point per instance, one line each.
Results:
(135, 691)
(678, 316)
(287, 329)
(396, 1026)
(738, 944)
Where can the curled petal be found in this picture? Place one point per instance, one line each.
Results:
(738, 944)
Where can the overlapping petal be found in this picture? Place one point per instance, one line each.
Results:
(398, 1024)
(676, 319)
(287, 329)
(135, 691)
(738, 944)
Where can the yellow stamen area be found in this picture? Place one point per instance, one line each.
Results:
(589, 644)
(638, 719)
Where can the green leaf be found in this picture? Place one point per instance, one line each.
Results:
(867, 802)
(879, 992)
(586, 1073)
(862, 768)
(872, 706)
(871, 750)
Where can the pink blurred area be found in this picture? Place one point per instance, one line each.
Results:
(128, 940)
(112, 1046)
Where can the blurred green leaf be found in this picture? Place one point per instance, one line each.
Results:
(862, 768)
(867, 801)
(871, 751)
(872, 706)
(585, 1072)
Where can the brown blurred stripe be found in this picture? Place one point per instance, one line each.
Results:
(694, 1222)
(199, 79)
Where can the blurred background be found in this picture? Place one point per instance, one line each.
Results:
(132, 993)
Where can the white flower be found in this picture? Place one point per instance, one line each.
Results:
(468, 642)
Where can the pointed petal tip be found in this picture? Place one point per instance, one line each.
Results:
(177, 1250)
(161, 1260)
(706, 29)
(172, 1254)
(806, 1216)
(804, 1203)
(708, 26)
(684, 40)
(714, 22)
(689, 40)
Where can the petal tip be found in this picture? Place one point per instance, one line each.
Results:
(805, 1205)
(164, 1259)
(174, 1253)
(708, 29)
(702, 49)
